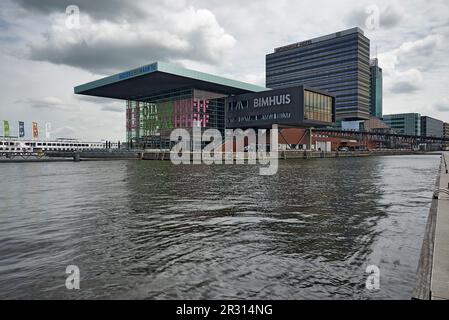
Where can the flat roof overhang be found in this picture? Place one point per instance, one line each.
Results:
(159, 77)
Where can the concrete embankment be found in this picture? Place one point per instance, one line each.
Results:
(433, 269)
(113, 154)
(35, 159)
(298, 154)
(108, 154)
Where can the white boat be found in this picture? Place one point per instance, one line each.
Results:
(16, 145)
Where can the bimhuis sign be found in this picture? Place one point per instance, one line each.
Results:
(262, 109)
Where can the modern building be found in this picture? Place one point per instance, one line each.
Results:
(446, 134)
(297, 106)
(376, 91)
(431, 127)
(446, 130)
(338, 63)
(404, 123)
(160, 97)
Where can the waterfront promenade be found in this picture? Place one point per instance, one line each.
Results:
(433, 269)
(440, 271)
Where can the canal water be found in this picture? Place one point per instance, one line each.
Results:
(152, 230)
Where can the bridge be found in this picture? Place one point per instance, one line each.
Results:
(385, 137)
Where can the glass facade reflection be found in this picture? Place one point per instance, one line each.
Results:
(150, 120)
(317, 107)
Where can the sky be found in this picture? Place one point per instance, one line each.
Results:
(44, 53)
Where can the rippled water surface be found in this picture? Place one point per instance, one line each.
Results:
(149, 229)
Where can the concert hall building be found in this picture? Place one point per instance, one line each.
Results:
(160, 97)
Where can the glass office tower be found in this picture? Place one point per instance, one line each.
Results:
(376, 83)
(337, 63)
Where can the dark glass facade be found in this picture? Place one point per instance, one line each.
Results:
(431, 127)
(337, 63)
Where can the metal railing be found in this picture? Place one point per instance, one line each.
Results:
(445, 163)
(442, 190)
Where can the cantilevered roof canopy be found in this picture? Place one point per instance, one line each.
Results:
(159, 77)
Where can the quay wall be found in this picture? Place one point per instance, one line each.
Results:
(433, 268)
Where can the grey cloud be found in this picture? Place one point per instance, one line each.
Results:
(91, 99)
(404, 86)
(106, 47)
(99, 9)
(421, 47)
(106, 104)
(97, 100)
(105, 58)
(113, 108)
(424, 52)
(50, 103)
(389, 17)
(442, 105)
(357, 18)
(64, 132)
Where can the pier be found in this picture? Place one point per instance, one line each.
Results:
(433, 268)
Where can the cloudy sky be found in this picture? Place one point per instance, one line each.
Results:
(42, 57)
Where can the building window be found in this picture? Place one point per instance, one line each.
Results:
(317, 107)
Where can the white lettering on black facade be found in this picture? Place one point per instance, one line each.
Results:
(278, 100)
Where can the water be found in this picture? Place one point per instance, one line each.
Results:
(149, 229)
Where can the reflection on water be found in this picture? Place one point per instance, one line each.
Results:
(148, 229)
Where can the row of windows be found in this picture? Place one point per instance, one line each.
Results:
(320, 67)
(308, 59)
(325, 76)
(321, 46)
(52, 144)
(14, 149)
(44, 149)
(44, 144)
